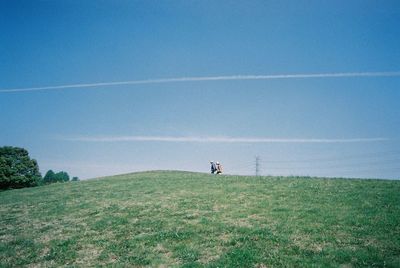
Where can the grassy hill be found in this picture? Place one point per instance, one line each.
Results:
(189, 219)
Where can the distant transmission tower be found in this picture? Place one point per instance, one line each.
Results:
(257, 166)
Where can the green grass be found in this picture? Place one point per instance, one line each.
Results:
(181, 219)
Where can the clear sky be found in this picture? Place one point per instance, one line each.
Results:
(346, 124)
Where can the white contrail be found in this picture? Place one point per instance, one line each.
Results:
(214, 139)
(205, 78)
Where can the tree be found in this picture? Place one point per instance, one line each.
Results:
(17, 169)
(50, 177)
(75, 179)
(62, 176)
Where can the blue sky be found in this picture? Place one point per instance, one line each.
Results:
(327, 126)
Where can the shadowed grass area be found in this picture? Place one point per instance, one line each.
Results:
(187, 219)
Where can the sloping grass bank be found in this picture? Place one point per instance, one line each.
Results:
(189, 219)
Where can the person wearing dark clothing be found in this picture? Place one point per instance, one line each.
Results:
(213, 167)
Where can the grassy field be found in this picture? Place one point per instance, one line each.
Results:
(183, 219)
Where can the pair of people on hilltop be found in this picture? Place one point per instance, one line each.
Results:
(216, 167)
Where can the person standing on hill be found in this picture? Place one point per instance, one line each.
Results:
(213, 167)
(219, 168)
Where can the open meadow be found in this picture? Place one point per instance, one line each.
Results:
(182, 219)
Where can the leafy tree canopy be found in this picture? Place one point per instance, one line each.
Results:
(49, 177)
(17, 169)
(52, 177)
(62, 176)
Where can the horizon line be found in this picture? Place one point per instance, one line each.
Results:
(205, 78)
(216, 139)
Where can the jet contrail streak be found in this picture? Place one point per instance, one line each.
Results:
(214, 139)
(205, 78)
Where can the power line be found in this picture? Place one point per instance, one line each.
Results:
(341, 173)
(355, 156)
(377, 164)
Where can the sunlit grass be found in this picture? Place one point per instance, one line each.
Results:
(189, 219)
